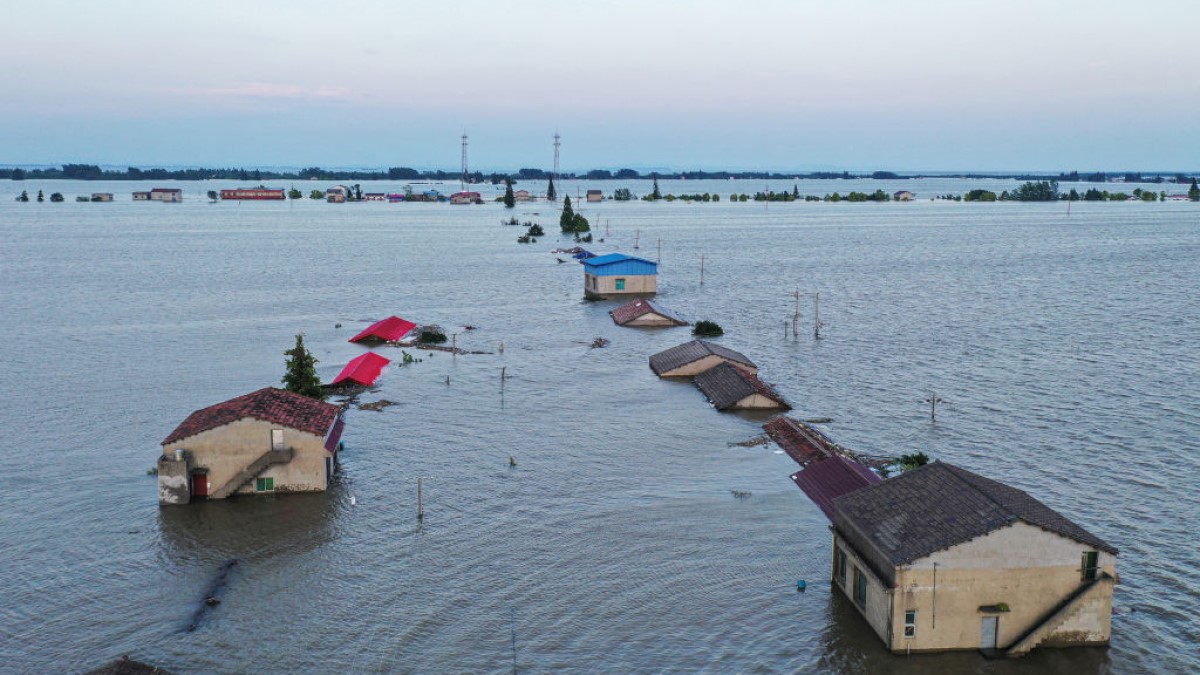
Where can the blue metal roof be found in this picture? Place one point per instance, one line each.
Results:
(619, 264)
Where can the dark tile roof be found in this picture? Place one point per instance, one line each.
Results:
(127, 666)
(639, 308)
(727, 384)
(268, 405)
(831, 478)
(938, 506)
(689, 352)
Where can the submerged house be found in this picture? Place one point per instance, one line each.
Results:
(141, 196)
(695, 357)
(466, 198)
(595, 196)
(522, 196)
(173, 195)
(391, 329)
(904, 195)
(362, 370)
(940, 559)
(338, 194)
(731, 387)
(617, 275)
(644, 313)
(267, 441)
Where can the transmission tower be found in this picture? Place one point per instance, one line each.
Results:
(557, 143)
(464, 162)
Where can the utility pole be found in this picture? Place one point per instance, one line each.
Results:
(659, 260)
(420, 504)
(557, 143)
(701, 269)
(637, 236)
(933, 400)
(464, 162)
(795, 316)
(817, 316)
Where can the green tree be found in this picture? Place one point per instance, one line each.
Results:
(655, 195)
(566, 221)
(19, 174)
(1039, 191)
(56, 197)
(551, 193)
(295, 194)
(1193, 192)
(212, 194)
(301, 374)
(41, 197)
(23, 197)
(509, 200)
(316, 194)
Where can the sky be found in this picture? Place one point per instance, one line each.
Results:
(789, 85)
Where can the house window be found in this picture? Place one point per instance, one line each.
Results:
(620, 284)
(264, 484)
(910, 623)
(1090, 565)
(839, 562)
(860, 588)
(277, 439)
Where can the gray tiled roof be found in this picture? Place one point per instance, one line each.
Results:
(693, 351)
(726, 384)
(938, 506)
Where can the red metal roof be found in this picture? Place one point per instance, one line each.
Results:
(798, 442)
(272, 405)
(830, 478)
(390, 329)
(362, 370)
(335, 435)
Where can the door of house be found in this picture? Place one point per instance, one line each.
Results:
(199, 485)
(987, 632)
(277, 439)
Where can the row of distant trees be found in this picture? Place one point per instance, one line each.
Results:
(94, 172)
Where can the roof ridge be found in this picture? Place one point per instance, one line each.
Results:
(955, 471)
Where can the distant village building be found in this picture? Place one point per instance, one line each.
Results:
(258, 193)
(394, 197)
(904, 196)
(141, 196)
(731, 387)
(337, 194)
(616, 275)
(595, 195)
(466, 198)
(522, 196)
(695, 357)
(102, 196)
(374, 196)
(267, 441)
(644, 313)
(166, 195)
(940, 559)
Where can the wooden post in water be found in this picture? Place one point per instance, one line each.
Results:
(606, 227)
(454, 344)
(659, 261)
(420, 503)
(796, 315)
(637, 236)
(817, 316)
(701, 269)
(933, 400)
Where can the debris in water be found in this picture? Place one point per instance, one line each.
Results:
(753, 442)
(377, 405)
(598, 343)
(740, 494)
(512, 462)
(211, 594)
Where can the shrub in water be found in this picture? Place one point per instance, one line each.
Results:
(707, 329)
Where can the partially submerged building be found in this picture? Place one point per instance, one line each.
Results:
(391, 329)
(940, 559)
(102, 196)
(338, 194)
(644, 313)
(595, 196)
(903, 195)
(267, 441)
(695, 357)
(362, 370)
(731, 387)
(171, 195)
(258, 193)
(466, 198)
(831, 477)
(618, 275)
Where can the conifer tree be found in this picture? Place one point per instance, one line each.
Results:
(567, 220)
(1194, 192)
(509, 199)
(656, 195)
(301, 376)
(551, 194)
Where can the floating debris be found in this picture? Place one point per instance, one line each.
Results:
(741, 494)
(762, 439)
(599, 342)
(377, 405)
(210, 594)
(512, 462)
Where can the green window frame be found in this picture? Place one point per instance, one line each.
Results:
(620, 284)
(264, 484)
(839, 555)
(1090, 565)
(860, 588)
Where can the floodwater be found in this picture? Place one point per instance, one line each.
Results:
(1064, 349)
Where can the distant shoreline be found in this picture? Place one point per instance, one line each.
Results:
(94, 172)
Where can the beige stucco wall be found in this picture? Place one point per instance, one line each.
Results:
(707, 363)
(652, 320)
(1028, 568)
(877, 610)
(756, 402)
(606, 287)
(229, 449)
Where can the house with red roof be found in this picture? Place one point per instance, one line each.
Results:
(267, 441)
(390, 329)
